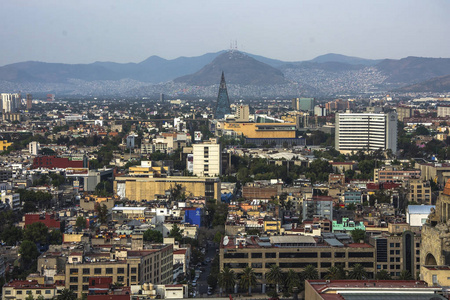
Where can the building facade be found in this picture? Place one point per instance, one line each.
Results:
(366, 132)
(207, 159)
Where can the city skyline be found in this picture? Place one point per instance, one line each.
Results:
(86, 31)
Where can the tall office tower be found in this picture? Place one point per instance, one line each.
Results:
(207, 159)
(242, 113)
(223, 102)
(366, 131)
(29, 101)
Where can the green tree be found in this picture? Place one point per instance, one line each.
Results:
(36, 233)
(55, 237)
(248, 279)
(358, 235)
(227, 279)
(357, 272)
(383, 275)
(154, 236)
(29, 297)
(292, 281)
(102, 212)
(176, 233)
(309, 273)
(80, 223)
(275, 276)
(11, 234)
(66, 294)
(28, 252)
(405, 275)
(335, 273)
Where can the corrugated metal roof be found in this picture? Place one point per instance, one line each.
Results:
(420, 209)
(333, 242)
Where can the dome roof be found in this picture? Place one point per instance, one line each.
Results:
(447, 188)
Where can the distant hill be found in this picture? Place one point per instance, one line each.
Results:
(239, 68)
(339, 58)
(437, 84)
(414, 69)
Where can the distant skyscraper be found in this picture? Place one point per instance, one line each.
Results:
(223, 102)
(29, 101)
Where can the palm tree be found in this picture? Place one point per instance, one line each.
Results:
(227, 279)
(67, 294)
(310, 272)
(275, 276)
(383, 275)
(405, 275)
(357, 272)
(292, 280)
(332, 273)
(248, 279)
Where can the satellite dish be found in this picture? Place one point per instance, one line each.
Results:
(225, 240)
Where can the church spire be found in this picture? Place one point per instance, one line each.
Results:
(223, 102)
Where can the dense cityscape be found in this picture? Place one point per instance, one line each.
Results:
(268, 198)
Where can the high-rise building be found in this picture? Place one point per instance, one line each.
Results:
(366, 131)
(223, 102)
(443, 110)
(405, 112)
(10, 102)
(304, 104)
(242, 113)
(207, 159)
(29, 101)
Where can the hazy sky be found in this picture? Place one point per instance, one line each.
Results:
(84, 31)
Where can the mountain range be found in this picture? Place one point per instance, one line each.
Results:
(330, 74)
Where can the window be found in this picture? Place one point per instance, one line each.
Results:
(19, 292)
(109, 270)
(120, 279)
(325, 254)
(339, 254)
(391, 245)
(397, 252)
(7, 292)
(271, 255)
(86, 271)
(48, 292)
(397, 245)
(397, 259)
(85, 287)
(73, 272)
(325, 265)
(73, 287)
(29, 292)
(73, 279)
(133, 270)
(257, 265)
(85, 279)
(133, 278)
(120, 271)
(391, 259)
(97, 271)
(392, 252)
(256, 255)
(38, 292)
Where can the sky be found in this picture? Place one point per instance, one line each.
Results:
(85, 31)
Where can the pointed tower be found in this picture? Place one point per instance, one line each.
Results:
(223, 102)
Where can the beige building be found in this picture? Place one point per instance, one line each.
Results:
(147, 188)
(127, 267)
(207, 159)
(404, 112)
(393, 173)
(419, 191)
(21, 289)
(242, 113)
(292, 252)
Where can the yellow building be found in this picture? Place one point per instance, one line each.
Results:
(263, 130)
(272, 226)
(148, 188)
(435, 275)
(4, 145)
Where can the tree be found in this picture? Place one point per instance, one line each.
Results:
(358, 235)
(248, 279)
(383, 275)
(176, 233)
(66, 294)
(55, 237)
(357, 272)
(11, 234)
(29, 297)
(292, 281)
(154, 236)
(80, 223)
(227, 279)
(309, 273)
(36, 233)
(335, 273)
(102, 212)
(28, 252)
(405, 275)
(275, 276)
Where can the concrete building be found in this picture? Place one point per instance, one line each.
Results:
(438, 172)
(397, 249)
(366, 131)
(21, 289)
(129, 267)
(207, 159)
(148, 188)
(404, 112)
(305, 104)
(34, 147)
(417, 215)
(10, 102)
(419, 191)
(242, 113)
(373, 289)
(318, 206)
(292, 252)
(443, 110)
(11, 199)
(394, 173)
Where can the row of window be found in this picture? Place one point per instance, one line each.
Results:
(38, 292)
(300, 254)
(98, 271)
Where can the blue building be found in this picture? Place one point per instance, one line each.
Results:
(193, 216)
(352, 197)
(223, 102)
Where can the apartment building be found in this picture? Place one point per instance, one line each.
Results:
(419, 191)
(207, 159)
(22, 289)
(130, 267)
(394, 173)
